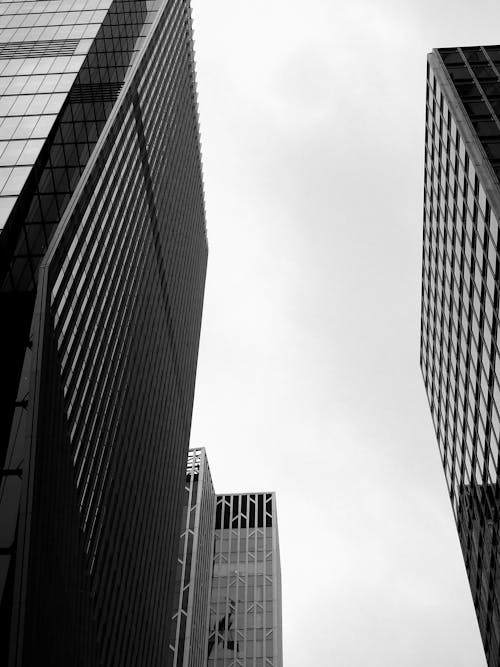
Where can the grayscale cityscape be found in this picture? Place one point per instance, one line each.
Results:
(249, 333)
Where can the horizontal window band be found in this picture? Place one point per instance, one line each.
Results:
(100, 92)
(38, 49)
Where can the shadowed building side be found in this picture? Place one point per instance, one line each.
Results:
(101, 412)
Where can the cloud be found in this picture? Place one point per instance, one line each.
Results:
(312, 120)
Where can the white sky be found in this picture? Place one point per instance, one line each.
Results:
(312, 123)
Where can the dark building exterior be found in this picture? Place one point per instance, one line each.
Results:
(102, 268)
(460, 333)
(228, 612)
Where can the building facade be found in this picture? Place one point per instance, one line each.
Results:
(188, 638)
(460, 333)
(245, 603)
(242, 608)
(102, 268)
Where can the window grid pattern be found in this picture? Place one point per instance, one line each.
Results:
(40, 56)
(460, 342)
(119, 305)
(475, 72)
(42, 49)
(39, 7)
(245, 606)
(49, 146)
(69, 130)
(188, 639)
(117, 249)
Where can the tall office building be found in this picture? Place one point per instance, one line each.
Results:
(460, 333)
(245, 604)
(102, 268)
(228, 612)
(188, 632)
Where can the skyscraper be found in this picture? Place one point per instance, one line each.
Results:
(228, 605)
(102, 267)
(245, 604)
(460, 333)
(188, 633)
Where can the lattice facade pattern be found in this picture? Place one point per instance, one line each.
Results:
(231, 569)
(245, 604)
(460, 333)
(188, 639)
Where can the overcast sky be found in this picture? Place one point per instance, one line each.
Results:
(312, 125)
